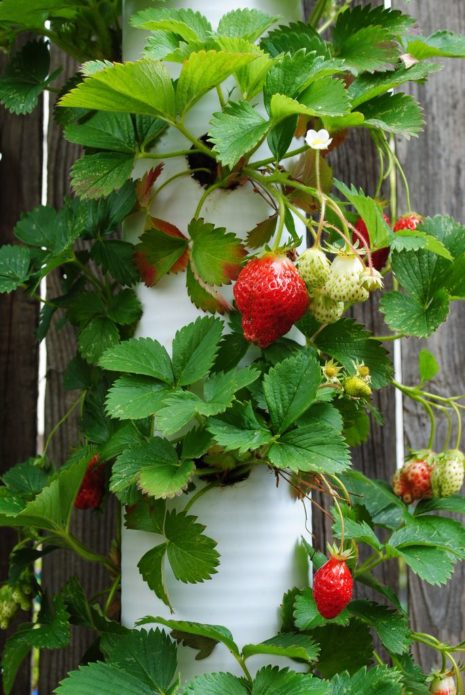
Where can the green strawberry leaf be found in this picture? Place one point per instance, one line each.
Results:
(204, 297)
(408, 314)
(343, 648)
(166, 479)
(216, 633)
(14, 652)
(247, 24)
(292, 38)
(407, 240)
(262, 233)
(105, 131)
(360, 17)
(194, 349)
(368, 86)
(368, 50)
(326, 97)
(274, 681)
(287, 644)
(142, 87)
(14, 267)
(368, 209)
(100, 677)
(204, 70)
(455, 503)
(116, 257)
(290, 388)
(151, 568)
(359, 531)
(396, 113)
(239, 429)
(144, 356)
(150, 656)
(97, 336)
(443, 44)
(185, 23)
(216, 254)
(236, 131)
(215, 684)
(192, 555)
(429, 563)
(384, 507)
(391, 626)
(25, 78)
(135, 397)
(428, 366)
(436, 531)
(312, 448)
(125, 308)
(380, 679)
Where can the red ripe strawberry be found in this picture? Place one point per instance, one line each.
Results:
(92, 488)
(413, 481)
(271, 296)
(332, 587)
(378, 258)
(443, 685)
(409, 221)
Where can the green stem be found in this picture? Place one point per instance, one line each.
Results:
(415, 396)
(339, 511)
(270, 160)
(282, 219)
(318, 12)
(307, 221)
(458, 440)
(200, 493)
(55, 429)
(208, 192)
(221, 98)
(166, 155)
(370, 564)
(75, 545)
(388, 338)
(180, 174)
(111, 595)
(199, 145)
(241, 661)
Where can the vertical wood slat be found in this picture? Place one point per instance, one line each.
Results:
(355, 163)
(95, 529)
(20, 191)
(434, 165)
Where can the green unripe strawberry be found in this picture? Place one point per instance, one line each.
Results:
(325, 309)
(356, 387)
(448, 473)
(313, 266)
(346, 280)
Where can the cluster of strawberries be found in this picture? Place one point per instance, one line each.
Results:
(272, 292)
(15, 597)
(426, 474)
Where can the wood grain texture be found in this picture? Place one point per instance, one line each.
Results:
(435, 168)
(21, 149)
(355, 163)
(95, 529)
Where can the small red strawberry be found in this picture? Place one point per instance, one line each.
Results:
(333, 586)
(379, 257)
(413, 481)
(409, 221)
(443, 685)
(92, 488)
(271, 296)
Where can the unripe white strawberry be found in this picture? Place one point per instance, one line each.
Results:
(443, 685)
(325, 309)
(313, 266)
(345, 283)
(448, 473)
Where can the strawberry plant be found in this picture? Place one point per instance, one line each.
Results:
(236, 391)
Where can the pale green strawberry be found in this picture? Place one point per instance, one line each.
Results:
(325, 309)
(357, 387)
(346, 280)
(448, 473)
(313, 266)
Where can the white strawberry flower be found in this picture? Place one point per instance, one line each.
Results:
(318, 139)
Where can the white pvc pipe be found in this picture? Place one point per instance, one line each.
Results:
(257, 525)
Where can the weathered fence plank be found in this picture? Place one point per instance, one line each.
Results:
(20, 190)
(93, 528)
(434, 165)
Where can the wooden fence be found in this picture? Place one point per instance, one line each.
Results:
(435, 166)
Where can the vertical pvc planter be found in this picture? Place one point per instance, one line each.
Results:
(256, 523)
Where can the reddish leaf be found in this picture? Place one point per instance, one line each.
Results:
(145, 184)
(205, 297)
(217, 254)
(163, 249)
